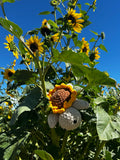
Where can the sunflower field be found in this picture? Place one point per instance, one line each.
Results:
(58, 105)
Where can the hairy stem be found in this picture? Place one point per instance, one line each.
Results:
(99, 150)
(3, 10)
(64, 144)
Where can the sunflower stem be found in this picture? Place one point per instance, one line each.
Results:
(41, 73)
(99, 150)
(55, 15)
(95, 42)
(64, 144)
(3, 10)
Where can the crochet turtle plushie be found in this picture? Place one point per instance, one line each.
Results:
(70, 119)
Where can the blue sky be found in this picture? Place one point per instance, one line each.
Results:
(104, 19)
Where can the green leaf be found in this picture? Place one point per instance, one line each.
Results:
(33, 99)
(44, 13)
(10, 1)
(25, 77)
(79, 6)
(94, 32)
(108, 155)
(108, 127)
(67, 36)
(101, 46)
(76, 41)
(12, 150)
(52, 23)
(11, 27)
(88, 4)
(69, 56)
(92, 40)
(18, 112)
(56, 54)
(22, 48)
(59, 9)
(43, 155)
(94, 76)
(99, 100)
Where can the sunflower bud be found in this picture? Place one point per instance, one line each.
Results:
(54, 2)
(102, 35)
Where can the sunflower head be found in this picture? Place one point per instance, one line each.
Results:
(45, 29)
(74, 20)
(8, 73)
(55, 37)
(10, 45)
(35, 44)
(94, 55)
(85, 47)
(61, 97)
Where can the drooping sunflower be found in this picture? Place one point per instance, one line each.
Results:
(74, 21)
(55, 37)
(10, 45)
(85, 47)
(35, 45)
(45, 29)
(61, 97)
(8, 73)
(96, 53)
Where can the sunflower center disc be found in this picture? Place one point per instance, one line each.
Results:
(34, 47)
(72, 19)
(84, 49)
(59, 97)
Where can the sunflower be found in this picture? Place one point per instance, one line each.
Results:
(55, 37)
(74, 21)
(35, 45)
(96, 53)
(85, 47)
(61, 97)
(45, 29)
(10, 45)
(8, 74)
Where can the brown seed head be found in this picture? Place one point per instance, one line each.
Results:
(59, 97)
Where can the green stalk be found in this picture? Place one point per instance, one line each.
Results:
(64, 144)
(54, 137)
(3, 10)
(95, 42)
(99, 150)
(42, 76)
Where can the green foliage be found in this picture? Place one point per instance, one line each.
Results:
(43, 155)
(44, 13)
(10, 1)
(11, 27)
(25, 77)
(101, 46)
(58, 57)
(108, 127)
